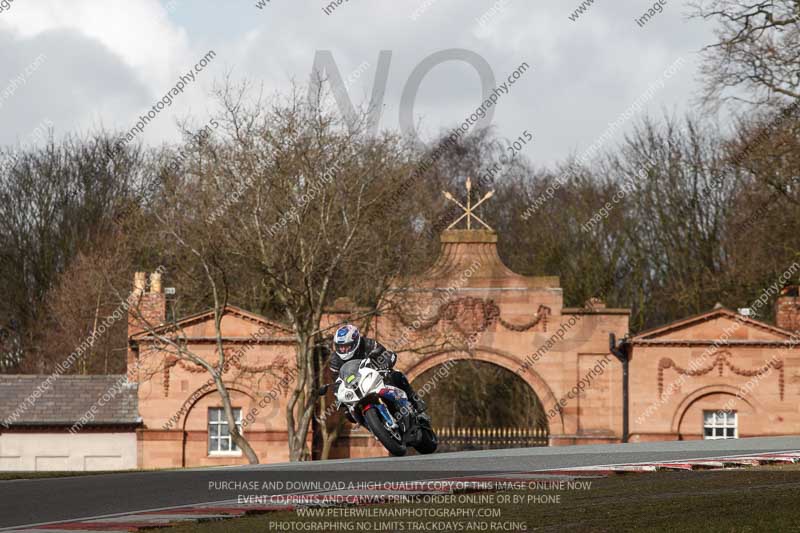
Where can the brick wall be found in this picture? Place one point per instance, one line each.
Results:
(787, 309)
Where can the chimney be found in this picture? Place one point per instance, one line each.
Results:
(155, 282)
(147, 308)
(787, 308)
(139, 282)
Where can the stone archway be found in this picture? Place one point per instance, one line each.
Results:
(686, 422)
(501, 359)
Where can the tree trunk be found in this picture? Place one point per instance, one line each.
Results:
(300, 407)
(328, 438)
(94, 333)
(330, 418)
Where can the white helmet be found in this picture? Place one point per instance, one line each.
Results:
(346, 341)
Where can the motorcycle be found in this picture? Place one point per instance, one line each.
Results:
(383, 409)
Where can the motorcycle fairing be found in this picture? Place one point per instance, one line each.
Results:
(394, 395)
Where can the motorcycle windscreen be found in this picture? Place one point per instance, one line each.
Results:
(349, 373)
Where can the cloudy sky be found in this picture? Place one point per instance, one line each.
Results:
(103, 63)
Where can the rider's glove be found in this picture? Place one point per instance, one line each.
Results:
(385, 361)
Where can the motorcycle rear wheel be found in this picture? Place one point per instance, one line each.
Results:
(375, 424)
(429, 441)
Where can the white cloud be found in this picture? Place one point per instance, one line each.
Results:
(139, 32)
(116, 57)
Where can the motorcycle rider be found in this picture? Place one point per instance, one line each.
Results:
(348, 344)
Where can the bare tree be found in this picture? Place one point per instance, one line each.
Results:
(302, 201)
(78, 303)
(757, 49)
(55, 201)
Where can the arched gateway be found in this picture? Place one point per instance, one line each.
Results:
(477, 404)
(469, 305)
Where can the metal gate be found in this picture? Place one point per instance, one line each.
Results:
(453, 439)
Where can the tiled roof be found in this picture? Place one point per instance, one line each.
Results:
(67, 400)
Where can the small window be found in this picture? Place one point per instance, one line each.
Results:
(219, 437)
(720, 425)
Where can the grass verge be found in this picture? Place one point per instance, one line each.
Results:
(7, 476)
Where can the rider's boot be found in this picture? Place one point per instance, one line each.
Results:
(420, 407)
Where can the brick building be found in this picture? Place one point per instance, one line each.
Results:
(683, 374)
(714, 375)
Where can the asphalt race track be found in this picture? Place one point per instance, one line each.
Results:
(29, 502)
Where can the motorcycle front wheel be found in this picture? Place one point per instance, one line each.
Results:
(376, 425)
